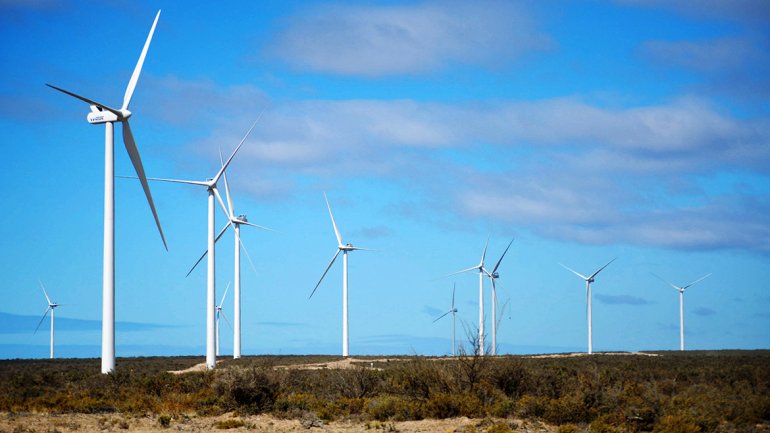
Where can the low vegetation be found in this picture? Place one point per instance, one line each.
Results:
(673, 392)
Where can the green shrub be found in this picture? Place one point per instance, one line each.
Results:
(229, 423)
(164, 421)
(249, 390)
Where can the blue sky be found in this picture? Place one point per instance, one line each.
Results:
(637, 129)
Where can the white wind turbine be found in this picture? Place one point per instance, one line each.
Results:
(681, 290)
(236, 222)
(344, 248)
(222, 313)
(492, 277)
(51, 307)
(480, 267)
(101, 113)
(588, 281)
(211, 187)
(452, 310)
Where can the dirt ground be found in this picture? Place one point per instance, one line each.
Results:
(50, 423)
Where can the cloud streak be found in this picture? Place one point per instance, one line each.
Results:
(407, 39)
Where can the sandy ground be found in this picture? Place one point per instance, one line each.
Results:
(28, 423)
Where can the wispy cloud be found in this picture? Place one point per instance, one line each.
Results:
(703, 311)
(746, 11)
(621, 299)
(20, 324)
(407, 39)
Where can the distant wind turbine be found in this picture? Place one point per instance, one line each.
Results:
(588, 281)
(344, 248)
(222, 313)
(681, 290)
(101, 113)
(492, 277)
(453, 311)
(211, 187)
(480, 267)
(51, 307)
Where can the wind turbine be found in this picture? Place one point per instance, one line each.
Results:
(492, 277)
(452, 310)
(344, 248)
(236, 222)
(480, 267)
(588, 281)
(101, 113)
(222, 313)
(211, 187)
(681, 290)
(51, 307)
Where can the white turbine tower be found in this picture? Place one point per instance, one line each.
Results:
(211, 187)
(236, 222)
(344, 248)
(480, 267)
(588, 281)
(51, 307)
(492, 277)
(681, 290)
(222, 313)
(101, 113)
(453, 311)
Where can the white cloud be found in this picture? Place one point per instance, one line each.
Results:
(406, 39)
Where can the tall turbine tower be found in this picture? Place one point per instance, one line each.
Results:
(51, 307)
(453, 311)
(344, 248)
(588, 281)
(211, 187)
(480, 267)
(101, 113)
(681, 290)
(492, 277)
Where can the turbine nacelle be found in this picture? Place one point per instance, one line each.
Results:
(243, 218)
(347, 247)
(100, 115)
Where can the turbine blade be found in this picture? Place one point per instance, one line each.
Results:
(439, 317)
(574, 272)
(248, 256)
(88, 101)
(697, 281)
(454, 287)
(138, 68)
(41, 319)
(501, 257)
(362, 249)
(334, 224)
(160, 179)
(602, 268)
(226, 319)
(325, 272)
(257, 226)
(230, 159)
(661, 279)
(133, 153)
(221, 232)
(224, 295)
(460, 272)
(44, 292)
(484, 254)
(227, 187)
(502, 312)
(221, 203)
